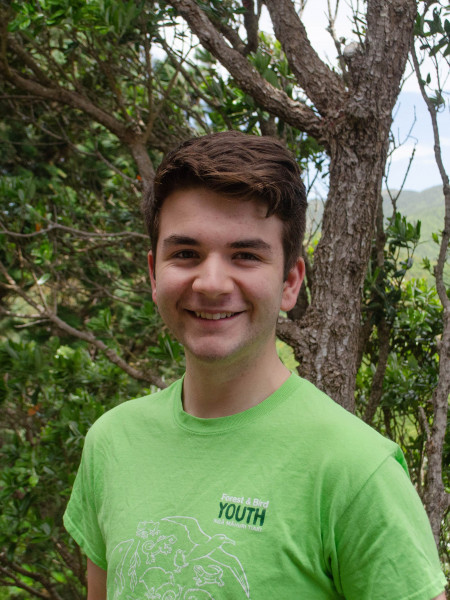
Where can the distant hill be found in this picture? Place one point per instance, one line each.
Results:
(426, 206)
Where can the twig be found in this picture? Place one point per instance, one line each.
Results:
(337, 44)
(76, 232)
(158, 108)
(424, 422)
(10, 313)
(16, 582)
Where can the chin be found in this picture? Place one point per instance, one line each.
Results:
(211, 355)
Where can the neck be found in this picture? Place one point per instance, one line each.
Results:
(212, 389)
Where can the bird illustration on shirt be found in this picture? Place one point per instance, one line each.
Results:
(209, 547)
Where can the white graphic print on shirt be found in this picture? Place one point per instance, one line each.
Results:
(174, 559)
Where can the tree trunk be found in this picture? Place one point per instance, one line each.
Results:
(327, 351)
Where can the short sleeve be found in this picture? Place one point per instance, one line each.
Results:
(384, 546)
(80, 517)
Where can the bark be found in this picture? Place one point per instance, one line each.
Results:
(358, 154)
(435, 498)
(330, 328)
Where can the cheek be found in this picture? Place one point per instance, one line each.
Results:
(263, 291)
(168, 289)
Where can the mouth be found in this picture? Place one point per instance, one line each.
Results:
(214, 316)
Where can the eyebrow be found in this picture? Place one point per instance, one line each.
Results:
(254, 244)
(180, 240)
(185, 240)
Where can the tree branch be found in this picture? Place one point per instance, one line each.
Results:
(251, 26)
(11, 568)
(386, 38)
(376, 390)
(439, 268)
(230, 34)
(75, 232)
(70, 560)
(332, 31)
(324, 87)
(288, 331)
(267, 96)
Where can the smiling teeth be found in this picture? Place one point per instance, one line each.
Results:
(214, 316)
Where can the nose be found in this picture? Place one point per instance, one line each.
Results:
(212, 278)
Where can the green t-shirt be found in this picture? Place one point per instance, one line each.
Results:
(294, 498)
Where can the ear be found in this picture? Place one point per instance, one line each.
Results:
(151, 268)
(292, 285)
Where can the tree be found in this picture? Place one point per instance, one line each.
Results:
(434, 37)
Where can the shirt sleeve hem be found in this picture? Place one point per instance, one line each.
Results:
(430, 591)
(83, 543)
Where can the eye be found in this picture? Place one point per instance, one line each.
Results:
(185, 254)
(246, 256)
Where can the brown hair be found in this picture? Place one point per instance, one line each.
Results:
(240, 166)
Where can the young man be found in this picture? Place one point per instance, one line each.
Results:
(242, 480)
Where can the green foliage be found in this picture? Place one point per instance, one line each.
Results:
(428, 208)
(412, 313)
(433, 34)
(383, 286)
(411, 374)
(50, 395)
(434, 31)
(74, 243)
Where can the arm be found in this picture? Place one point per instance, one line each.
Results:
(96, 582)
(440, 597)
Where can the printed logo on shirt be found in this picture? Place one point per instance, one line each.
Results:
(175, 559)
(244, 512)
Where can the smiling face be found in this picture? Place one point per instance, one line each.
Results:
(218, 275)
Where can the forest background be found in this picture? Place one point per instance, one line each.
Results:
(92, 94)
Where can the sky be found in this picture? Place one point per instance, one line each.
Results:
(410, 111)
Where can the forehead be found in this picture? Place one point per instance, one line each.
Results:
(202, 212)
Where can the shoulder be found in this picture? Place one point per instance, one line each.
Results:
(338, 441)
(135, 414)
(321, 414)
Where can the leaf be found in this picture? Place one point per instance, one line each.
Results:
(46, 528)
(33, 480)
(43, 279)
